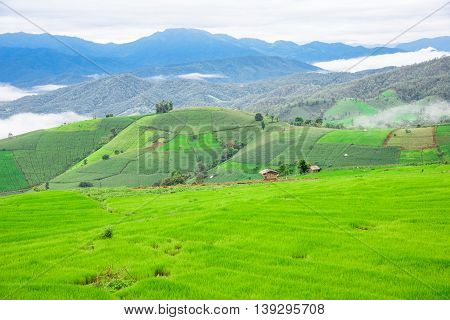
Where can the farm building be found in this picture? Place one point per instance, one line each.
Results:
(314, 168)
(269, 174)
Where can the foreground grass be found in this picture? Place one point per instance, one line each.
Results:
(346, 234)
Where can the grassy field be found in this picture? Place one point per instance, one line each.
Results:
(413, 138)
(345, 108)
(339, 234)
(370, 137)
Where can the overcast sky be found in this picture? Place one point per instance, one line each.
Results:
(350, 21)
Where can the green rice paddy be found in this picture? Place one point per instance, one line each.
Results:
(339, 234)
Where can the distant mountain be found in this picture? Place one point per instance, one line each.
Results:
(128, 94)
(26, 67)
(410, 83)
(163, 52)
(315, 51)
(439, 43)
(231, 70)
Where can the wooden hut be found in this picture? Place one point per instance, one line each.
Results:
(314, 168)
(269, 174)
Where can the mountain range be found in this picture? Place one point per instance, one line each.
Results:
(300, 93)
(34, 59)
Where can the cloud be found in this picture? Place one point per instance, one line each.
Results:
(200, 76)
(47, 87)
(296, 20)
(27, 122)
(423, 114)
(10, 93)
(385, 60)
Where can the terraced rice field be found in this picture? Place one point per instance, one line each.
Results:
(11, 176)
(42, 155)
(348, 234)
(413, 138)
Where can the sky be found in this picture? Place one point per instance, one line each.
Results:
(301, 21)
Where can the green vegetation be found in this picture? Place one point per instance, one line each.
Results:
(370, 137)
(413, 138)
(348, 155)
(349, 234)
(10, 175)
(42, 155)
(419, 156)
(348, 108)
(443, 140)
(205, 145)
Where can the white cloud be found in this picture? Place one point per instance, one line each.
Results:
(47, 87)
(27, 122)
(386, 60)
(296, 20)
(10, 93)
(200, 76)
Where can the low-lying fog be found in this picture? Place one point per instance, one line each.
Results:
(385, 60)
(26, 122)
(9, 92)
(416, 114)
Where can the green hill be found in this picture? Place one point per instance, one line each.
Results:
(36, 157)
(203, 145)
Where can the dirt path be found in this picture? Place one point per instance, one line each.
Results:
(389, 137)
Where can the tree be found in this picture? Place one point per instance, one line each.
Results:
(319, 122)
(105, 157)
(302, 166)
(258, 117)
(284, 169)
(164, 106)
(308, 122)
(109, 115)
(263, 125)
(299, 121)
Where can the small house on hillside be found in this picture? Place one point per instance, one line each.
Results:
(314, 168)
(269, 174)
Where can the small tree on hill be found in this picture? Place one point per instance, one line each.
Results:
(105, 157)
(263, 125)
(298, 121)
(319, 122)
(164, 106)
(258, 117)
(302, 166)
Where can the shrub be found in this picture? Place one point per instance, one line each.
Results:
(107, 233)
(105, 157)
(85, 184)
(175, 178)
(258, 117)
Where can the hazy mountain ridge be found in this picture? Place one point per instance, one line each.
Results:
(166, 51)
(127, 94)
